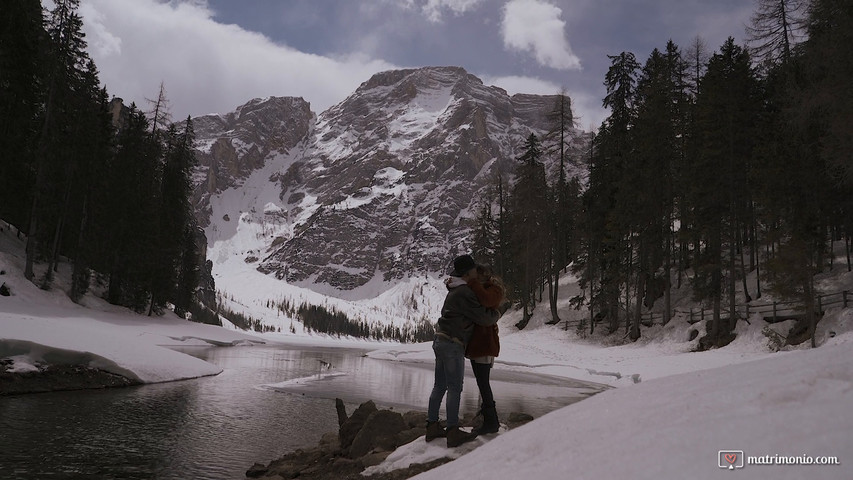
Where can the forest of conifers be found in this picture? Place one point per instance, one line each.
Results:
(108, 189)
(710, 166)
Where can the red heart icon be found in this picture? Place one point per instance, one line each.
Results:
(731, 457)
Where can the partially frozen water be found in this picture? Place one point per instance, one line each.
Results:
(268, 401)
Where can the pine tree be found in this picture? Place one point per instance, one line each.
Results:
(687, 237)
(696, 60)
(727, 111)
(178, 224)
(678, 69)
(655, 153)
(96, 134)
(608, 198)
(484, 242)
(776, 27)
(159, 114)
(561, 221)
(528, 229)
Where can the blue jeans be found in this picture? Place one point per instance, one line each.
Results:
(449, 372)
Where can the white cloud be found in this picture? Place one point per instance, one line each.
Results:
(517, 84)
(433, 8)
(586, 108)
(536, 26)
(101, 40)
(207, 66)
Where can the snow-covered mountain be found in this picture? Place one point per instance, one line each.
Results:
(232, 146)
(379, 188)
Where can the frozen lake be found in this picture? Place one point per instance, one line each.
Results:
(269, 400)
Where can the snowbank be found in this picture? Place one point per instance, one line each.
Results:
(795, 404)
(675, 410)
(40, 328)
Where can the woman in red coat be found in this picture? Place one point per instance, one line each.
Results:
(484, 345)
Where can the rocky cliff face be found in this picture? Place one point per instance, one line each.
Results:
(231, 146)
(383, 184)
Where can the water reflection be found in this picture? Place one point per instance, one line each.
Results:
(407, 386)
(216, 427)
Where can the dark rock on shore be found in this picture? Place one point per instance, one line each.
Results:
(59, 377)
(364, 439)
(352, 425)
(379, 433)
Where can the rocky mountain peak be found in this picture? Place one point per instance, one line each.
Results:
(382, 184)
(231, 146)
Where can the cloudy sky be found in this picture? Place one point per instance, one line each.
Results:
(214, 55)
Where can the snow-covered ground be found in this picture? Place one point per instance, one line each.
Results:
(672, 414)
(792, 407)
(42, 328)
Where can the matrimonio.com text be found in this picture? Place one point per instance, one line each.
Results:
(735, 459)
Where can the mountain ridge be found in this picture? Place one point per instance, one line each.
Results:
(375, 189)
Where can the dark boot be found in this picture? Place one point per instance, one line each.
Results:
(490, 421)
(456, 437)
(435, 430)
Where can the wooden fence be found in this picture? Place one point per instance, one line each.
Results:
(772, 312)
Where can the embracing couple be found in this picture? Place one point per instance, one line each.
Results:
(467, 328)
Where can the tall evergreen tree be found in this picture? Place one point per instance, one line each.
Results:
(608, 197)
(528, 227)
(96, 147)
(484, 243)
(727, 111)
(680, 107)
(655, 154)
(561, 217)
(178, 226)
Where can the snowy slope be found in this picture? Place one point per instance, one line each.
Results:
(795, 404)
(39, 327)
(240, 233)
(673, 411)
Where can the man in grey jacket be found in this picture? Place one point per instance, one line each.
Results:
(461, 310)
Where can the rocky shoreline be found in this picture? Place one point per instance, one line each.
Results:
(53, 378)
(364, 439)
